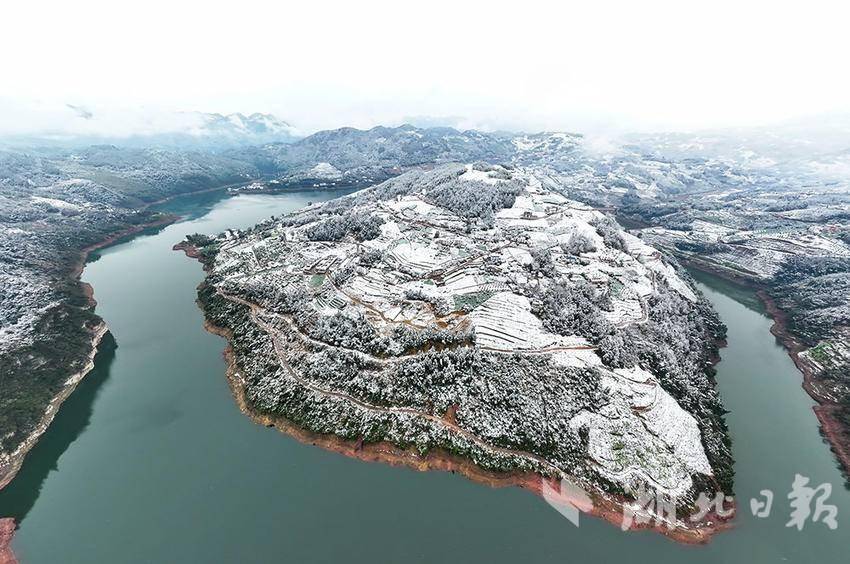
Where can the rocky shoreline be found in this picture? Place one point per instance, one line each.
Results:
(604, 506)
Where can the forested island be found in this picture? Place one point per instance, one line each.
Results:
(471, 318)
(767, 210)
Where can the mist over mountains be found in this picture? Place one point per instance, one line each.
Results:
(74, 126)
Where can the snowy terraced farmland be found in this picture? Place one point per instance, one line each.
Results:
(474, 289)
(505, 322)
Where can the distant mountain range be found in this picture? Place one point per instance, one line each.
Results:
(360, 156)
(238, 129)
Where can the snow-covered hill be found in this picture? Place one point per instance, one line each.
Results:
(557, 343)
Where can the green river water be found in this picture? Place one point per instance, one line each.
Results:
(151, 461)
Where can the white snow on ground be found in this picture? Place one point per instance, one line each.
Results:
(24, 303)
(416, 257)
(625, 312)
(711, 231)
(542, 142)
(637, 248)
(579, 358)
(569, 226)
(651, 259)
(644, 435)
(60, 204)
(521, 256)
(523, 143)
(430, 275)
(414, 206)
(464, 282)
(505, 322)
(324, 170)
(480, 175)
(665, 418)
(531, 223)
(813, 243)
(390, 229)
(669, 274)
(523, 204)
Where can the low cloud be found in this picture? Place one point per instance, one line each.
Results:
(70, 121)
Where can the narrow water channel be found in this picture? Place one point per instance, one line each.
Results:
(151, 461)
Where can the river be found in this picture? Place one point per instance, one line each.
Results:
(151, 461)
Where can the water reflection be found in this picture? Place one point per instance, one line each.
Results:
(74, 416)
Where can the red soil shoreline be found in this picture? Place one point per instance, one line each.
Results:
(11, 469)
(607, 507)
(8, 472)
(831, 428)
(80, 263)
(7, 531)
(16, 461)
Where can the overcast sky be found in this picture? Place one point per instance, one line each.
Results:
(523, 64)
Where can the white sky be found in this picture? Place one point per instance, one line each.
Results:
(520, 64)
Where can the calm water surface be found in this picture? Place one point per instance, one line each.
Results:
(151, 461)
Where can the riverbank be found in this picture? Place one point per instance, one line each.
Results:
(196, 473)
(832, 428)
(166, 219)
(604, 506)
(14, 460)
(7, 531)
(85, 252)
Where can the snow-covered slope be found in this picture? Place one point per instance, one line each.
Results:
(557, 343)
